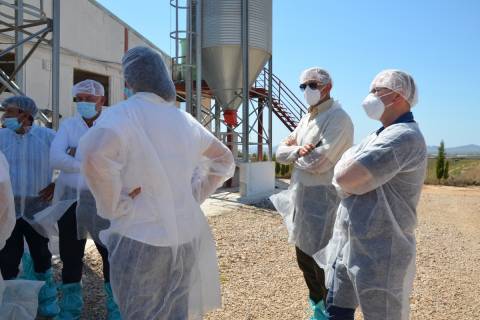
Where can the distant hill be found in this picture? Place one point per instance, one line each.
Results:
(468, 150)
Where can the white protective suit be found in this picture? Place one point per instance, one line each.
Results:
(70, 187)
(18, 298)
(30, 172)
(309, 205)
(161, 251)
(370, 260)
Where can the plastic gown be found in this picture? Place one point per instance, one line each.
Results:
(161, 251)
(308, 207)
(18, 298)
(30, 172)
(371, 257)
(70, 186)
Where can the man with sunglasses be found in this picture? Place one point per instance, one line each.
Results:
(371, 257)
(75, 205)
(309, 205)
(26, 147)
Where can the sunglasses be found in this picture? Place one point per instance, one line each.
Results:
(311, 85)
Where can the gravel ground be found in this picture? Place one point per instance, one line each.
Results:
(260, 278)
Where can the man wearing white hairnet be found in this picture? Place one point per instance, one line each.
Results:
(309, 206)
(75, 216)
(26, 147)
(370, 260)
(149, 165)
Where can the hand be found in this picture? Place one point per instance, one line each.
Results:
(46, 194)
(71, 152)
(290, 142)
(306, 149)
(135, 192)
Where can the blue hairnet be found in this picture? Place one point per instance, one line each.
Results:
(22, 102)
(145, 71)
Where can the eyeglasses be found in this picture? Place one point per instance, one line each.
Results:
(311, 85)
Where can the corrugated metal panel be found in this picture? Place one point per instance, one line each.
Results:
(221, 54)
(222, 23)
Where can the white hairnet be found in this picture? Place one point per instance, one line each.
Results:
(89, 86)
(145, 71)
(22, 102)
(398, 81)
(317, 74)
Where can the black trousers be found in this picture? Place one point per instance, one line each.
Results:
(11, 254)
(72, 249)
(314, 276)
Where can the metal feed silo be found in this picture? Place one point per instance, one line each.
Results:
(222, 51)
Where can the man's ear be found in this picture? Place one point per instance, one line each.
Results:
(101, 102)
(328, 88)
(398, 98)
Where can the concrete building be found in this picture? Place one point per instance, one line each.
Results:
(93, 41)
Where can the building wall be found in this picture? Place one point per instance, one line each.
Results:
(91, 39)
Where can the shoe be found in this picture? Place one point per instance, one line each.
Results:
(47, 297)
(113, 313)
(71, 304)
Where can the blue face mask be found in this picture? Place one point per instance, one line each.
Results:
(128, 92)
(12, 123)
(87, 110)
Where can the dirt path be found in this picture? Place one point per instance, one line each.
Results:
(260, 278)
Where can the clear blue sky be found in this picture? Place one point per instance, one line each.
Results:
(437, 41)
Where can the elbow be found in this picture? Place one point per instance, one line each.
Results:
(88, 165)
(346, 182)
(229, 158)
(342, 181)
(284, 158)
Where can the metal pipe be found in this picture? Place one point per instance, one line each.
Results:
(5, 80)
(188, 62)
(175, 69)
(260, 130)
(22, 27)
(270, 110)
(56, 64)
(246, 88)
(198, 54)
(126, 45)
(25, 59)
(36, 34)
(19, 49)
(29, 12)
(217, 119)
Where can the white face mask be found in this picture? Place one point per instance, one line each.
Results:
(373, 106)
(312, 96)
